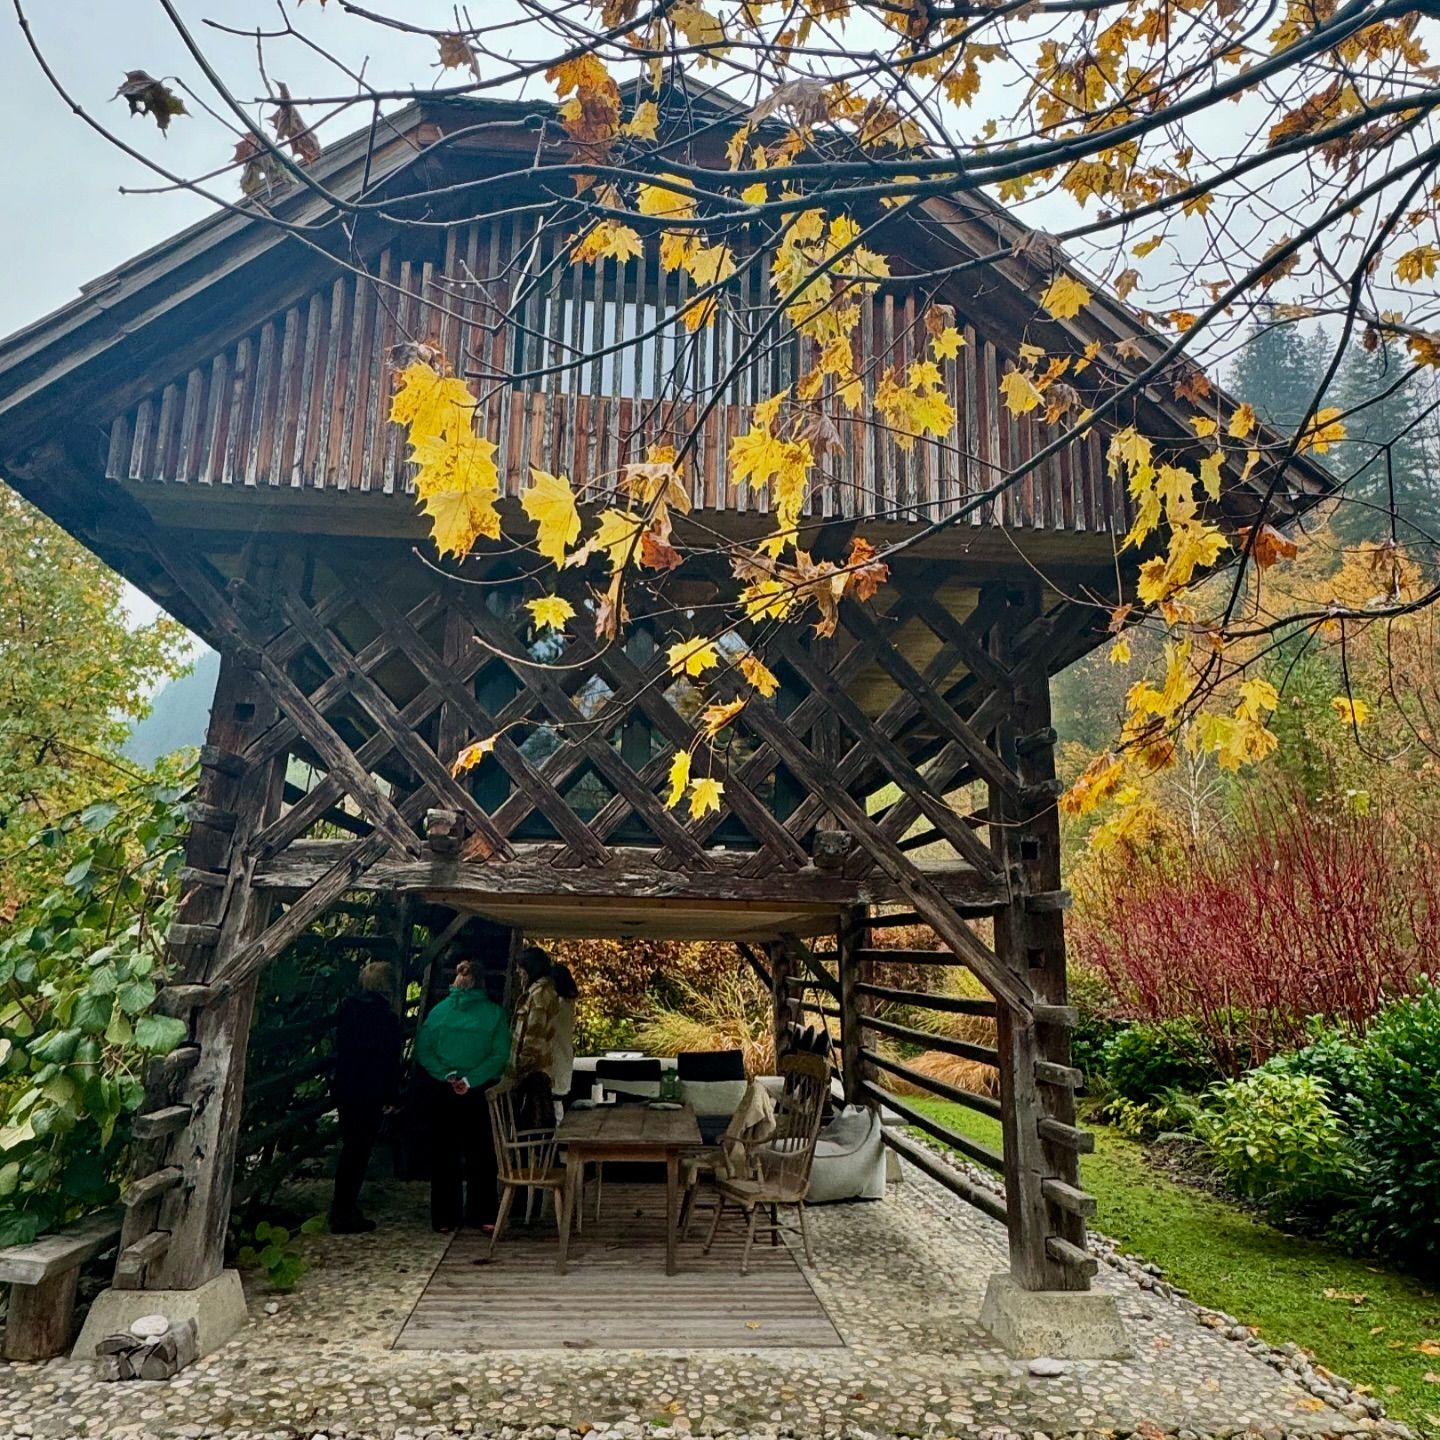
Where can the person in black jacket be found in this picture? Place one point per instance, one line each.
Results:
(368, 1044)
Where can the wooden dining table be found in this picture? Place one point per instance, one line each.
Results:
(627, 1133)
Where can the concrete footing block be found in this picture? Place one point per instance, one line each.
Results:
(217, 1308)
(1061, 1324)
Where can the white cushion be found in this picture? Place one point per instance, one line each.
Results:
(713, 1097)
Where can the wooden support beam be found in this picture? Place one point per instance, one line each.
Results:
(1072, 1257)
(851, 937)
(133, 1261)
(1047, 1072)
(1066, 1137)
(182, 934)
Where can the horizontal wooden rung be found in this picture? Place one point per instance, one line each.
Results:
(222, 762)
(179, 1060)
(212, 816)
(1047, 1072)
(152, 1186)
(909, 957)
(1070, 1256)
(208, 879)
(982, 1054)
(179, 999)
(1048, 902)
(1069, 1198)
(888, 922)
(1036, 741)
(155, 1123)
(922, 999)
(981, 1104)
(1070, 1137)
(971, 1149)
(181, 933)
(132, 1260)
(947, 1175)
(1064, 1016)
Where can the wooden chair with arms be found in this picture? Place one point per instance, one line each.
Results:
(527, 1158)
(778, 1169)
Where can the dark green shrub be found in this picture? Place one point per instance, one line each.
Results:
(1397, 1131)
(1146, 1059)
(1277, 1140)
(1095, 1027)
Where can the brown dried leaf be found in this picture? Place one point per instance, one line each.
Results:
(456, 53)
(290, 129)
(148, 96)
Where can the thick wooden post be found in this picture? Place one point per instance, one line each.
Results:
(852, 939)
(1044, 1200)
(219, 914)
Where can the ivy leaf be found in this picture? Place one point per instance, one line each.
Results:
(92, 1011)
(159, 1034)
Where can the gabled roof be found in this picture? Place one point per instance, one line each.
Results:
(64, 378)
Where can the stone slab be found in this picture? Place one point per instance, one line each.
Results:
(1055, 1324)
(217, 1308)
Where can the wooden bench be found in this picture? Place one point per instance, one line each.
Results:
(42, 1277)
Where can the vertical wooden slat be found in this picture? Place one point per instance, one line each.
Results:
(260, 428)
(142, 448)
(306, 417)
(210, 445)
(286, 386)
(330, 401)
(117, 452)
(242, 377)
(166, 439)
(398, 330)
(367, 461)
(353, 432)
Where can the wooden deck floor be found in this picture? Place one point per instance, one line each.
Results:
(616, 1294)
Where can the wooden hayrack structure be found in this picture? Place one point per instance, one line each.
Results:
(211, 420)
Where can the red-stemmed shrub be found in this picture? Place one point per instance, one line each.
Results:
(1299, 913)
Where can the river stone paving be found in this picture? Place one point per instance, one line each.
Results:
(902, 1280)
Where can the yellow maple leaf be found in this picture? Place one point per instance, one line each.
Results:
(679, 778)
(667, 201)
(1417, 264)
(1323, 431)
(550, 503)
(947, 344)
(1145, 247)
(1257, 699)
(1242, 422)
(1119, 652)
(1019, 391)
(1065, 297)
(608, 240)
(1203, 425)
(427, 401)
(692, 657)
(616, 536)
(714, 718)
(457, 486)
(1351, 712)
(759, 675)
(550, 612)
(705, 796)
(644, 124)
(472, 755)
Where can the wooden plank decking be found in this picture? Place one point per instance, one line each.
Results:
(616, 1295)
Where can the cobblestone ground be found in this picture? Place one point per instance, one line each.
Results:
(902, 1280)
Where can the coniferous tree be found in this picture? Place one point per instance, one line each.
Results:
(1389, 450)
(1278, 370)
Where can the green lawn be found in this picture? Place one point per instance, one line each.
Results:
(1229, 1260)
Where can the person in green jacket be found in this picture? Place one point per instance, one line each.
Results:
(462, 1049)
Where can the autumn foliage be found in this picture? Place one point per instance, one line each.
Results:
(1302, 914)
